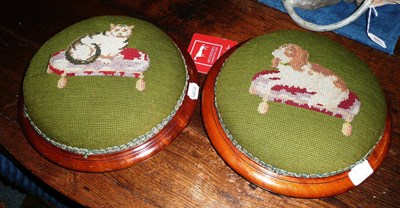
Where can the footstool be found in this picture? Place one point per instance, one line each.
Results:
(297, 114)
(107, 93)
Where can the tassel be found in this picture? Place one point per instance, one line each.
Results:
(347, 129)
(62, 82)
(140, 85)
(49, 71)
(252, 90)
(263, 107)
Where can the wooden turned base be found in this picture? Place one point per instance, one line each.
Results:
(122, 159)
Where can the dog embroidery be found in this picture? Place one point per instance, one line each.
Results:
(298, 82)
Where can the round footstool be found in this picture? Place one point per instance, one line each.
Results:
(297, 114)
(107, 93)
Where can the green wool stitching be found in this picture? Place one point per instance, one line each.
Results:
(134, 142)
(274, 169)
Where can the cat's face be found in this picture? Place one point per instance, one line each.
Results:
(121, 31)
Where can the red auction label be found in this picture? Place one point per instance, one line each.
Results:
(205, 50)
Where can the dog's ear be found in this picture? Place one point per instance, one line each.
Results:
(299, 57)
(275, 62)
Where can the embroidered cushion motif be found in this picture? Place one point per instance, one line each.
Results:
(295, 81)
(286, 100)
(99, 111)
(101, 54)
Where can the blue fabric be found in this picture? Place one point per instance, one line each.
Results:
(386, 25)
(12, 174)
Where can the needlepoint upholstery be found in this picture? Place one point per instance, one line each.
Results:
(300, 104)
(89, 97)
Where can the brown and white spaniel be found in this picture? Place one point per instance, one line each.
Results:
(296, 71)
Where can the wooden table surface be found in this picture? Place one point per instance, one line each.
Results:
(188, 173)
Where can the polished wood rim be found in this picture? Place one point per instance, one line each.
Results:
(122, 159)
(259, 175)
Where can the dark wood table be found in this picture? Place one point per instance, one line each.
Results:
(188, 173)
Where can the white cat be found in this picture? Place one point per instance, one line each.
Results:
(101, 46)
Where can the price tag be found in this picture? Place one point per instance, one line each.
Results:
(360, 172)
(377, 40)
(193, 91)
(205, 50)
(371, 36)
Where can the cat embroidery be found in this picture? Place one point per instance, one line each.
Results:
(296, 81)
(101, 54)
(103, 46)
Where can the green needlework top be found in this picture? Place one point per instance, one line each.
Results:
(292, 140)
(96, 112)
